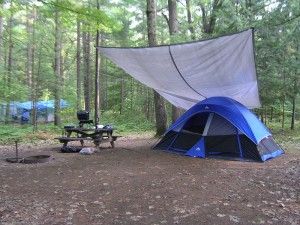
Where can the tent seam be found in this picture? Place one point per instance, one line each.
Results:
(233, 103)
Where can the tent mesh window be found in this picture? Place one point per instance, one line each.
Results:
(191, 133)
(167, 140)
(267, 146)
(220, 126)
(249, 148)
(185, 141)
(196, 123)
(222, 144)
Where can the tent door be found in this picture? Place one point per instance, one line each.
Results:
(222, 137)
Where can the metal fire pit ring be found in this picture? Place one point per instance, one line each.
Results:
(36, 159)
(14, 160)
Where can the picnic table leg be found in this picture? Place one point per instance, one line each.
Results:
(69, 133)
(65, 144)
(97, 141)
(97, 144)
(112, 143)
(82, 143)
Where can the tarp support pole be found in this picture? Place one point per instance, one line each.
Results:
(239, 143)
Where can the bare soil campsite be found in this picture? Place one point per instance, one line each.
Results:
(133, 184)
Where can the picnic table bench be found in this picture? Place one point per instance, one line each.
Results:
(96, 135)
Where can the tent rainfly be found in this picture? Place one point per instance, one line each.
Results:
(185, 74)
(220, 126)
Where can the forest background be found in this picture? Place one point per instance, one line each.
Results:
(47, 51)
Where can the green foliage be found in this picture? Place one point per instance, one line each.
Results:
(127, 123)
(96, 19)
(284, 136)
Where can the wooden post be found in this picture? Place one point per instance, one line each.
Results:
(17, 151)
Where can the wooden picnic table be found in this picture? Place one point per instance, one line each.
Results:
(97, 135)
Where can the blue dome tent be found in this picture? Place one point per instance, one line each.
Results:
(220, 126)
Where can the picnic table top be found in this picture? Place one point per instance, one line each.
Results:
(75, 129)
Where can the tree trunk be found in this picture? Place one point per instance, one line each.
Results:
(57, 69)
(293, 113)
(97, 63)
(146, 103)
(271, 113)
(37, 82)
(78, 67)
(1, 37)
(266, 114)
(261, 115)
(173, 29)
(189, 19)
(160, 109)
(87, 76)
(283, 113)
(208, 22)
(9, 66)
(33, 76)
(29, 49)
(2, 58)
(30, 76)
(122, 94)
(106, 87)
(173, 23)
(131, 93)
(295, 87)
(61, 69)
(151, 22)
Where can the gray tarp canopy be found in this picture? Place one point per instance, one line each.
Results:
(186, 73)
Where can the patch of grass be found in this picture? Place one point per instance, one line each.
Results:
(286, 134)
(287, 138)
(11, 132)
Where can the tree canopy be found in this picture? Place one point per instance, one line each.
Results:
(47, 50)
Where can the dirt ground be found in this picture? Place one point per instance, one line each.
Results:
(133, 184)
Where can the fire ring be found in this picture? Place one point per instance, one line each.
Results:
(36, 159)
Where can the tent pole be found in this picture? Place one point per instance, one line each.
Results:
(207, 125)
(173, 141)
(175, 138)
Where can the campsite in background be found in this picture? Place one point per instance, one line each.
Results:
(177, 109)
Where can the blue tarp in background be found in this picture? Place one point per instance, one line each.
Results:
(22, 110)
(41, 105)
